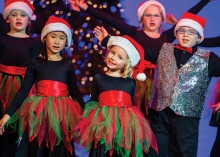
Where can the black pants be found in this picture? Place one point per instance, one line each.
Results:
(177, 136)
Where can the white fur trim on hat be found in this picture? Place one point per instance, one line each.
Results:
(57, 27)
(192, 24)
(19, 6)
(132, 52)
(146, 4)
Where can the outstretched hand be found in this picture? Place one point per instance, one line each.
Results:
(77, 4)
(215, 107)
(3, 122)
(170, 19)
(100, 33)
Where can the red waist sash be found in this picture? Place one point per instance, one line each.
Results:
(115, 98)
(51, 88)
(13, 70)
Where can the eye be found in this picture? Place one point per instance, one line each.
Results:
(52, 36)
(156, 16)
(191, 31)
(23, 15)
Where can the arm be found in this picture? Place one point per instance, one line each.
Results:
(73, 88)
(24, 90)
(195, 9)
(3, 25)
(95, 94)
(214, 65)
(114, 22)
(36, 48)
(198, 7)
(73, 17)
(210, 42)
(20, 96)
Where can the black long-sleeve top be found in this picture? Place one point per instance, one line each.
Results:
(18, 51)
(138, 35)
(61, 71)
(104, 82)
(210, 42)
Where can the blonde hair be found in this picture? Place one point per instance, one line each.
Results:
(127, 71)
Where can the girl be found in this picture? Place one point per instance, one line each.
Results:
(49, 118)
(111, 125)
(151, 15)
(16, 50)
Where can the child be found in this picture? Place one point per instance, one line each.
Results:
(47, 120)
(151, 16)
(183, 73)
(17, 48)
(111, 125)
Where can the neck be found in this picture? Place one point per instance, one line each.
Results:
(114, 73)
(21, 34)
(151, 34)
(54, 57)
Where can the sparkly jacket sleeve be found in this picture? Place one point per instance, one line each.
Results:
(22, 93)
(73, 88)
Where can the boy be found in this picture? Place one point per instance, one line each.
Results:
(182, 76)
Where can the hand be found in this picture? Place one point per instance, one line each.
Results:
(170, 19)
(3, 121)
(100, 33)
(76, 4)
(215, 107)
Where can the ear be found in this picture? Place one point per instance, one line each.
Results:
(199, 39)
(7, 21)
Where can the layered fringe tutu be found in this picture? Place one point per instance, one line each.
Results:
(11, 79)
(124, 129)
(51, 119)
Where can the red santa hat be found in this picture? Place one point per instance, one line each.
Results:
(57, 24)
(23, 5)
(143, 6)
(193, 21)
(133, 49)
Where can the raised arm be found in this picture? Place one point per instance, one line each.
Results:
(114, 22)
(195, 9)
(211, 42)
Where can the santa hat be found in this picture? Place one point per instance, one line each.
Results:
(193, 21)
(57, 24)
(143, 6)
(23, 5)
(133, 49)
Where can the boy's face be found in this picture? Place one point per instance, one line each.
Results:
(187, 37)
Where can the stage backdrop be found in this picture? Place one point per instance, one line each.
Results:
(211, 13)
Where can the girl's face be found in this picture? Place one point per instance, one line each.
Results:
(187, 37)
(152, 19)
(55, 42)
(18, 20)
(116, 59)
